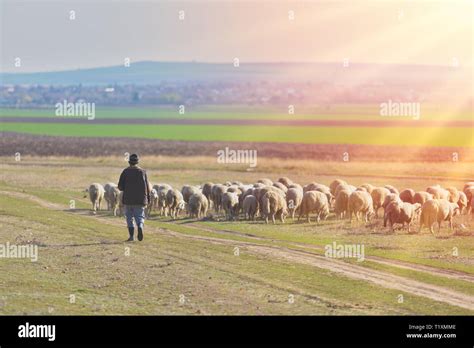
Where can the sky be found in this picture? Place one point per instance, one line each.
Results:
(104, 33)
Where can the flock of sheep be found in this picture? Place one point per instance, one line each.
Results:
(269, 200)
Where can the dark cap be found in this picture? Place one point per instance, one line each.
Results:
(133, 159)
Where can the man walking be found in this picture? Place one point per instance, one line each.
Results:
(136, 195)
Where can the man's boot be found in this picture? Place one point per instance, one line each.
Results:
(140, 233)
(130, 232)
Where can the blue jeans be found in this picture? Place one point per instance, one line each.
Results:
(136, 212)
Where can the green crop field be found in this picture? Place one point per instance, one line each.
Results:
(418, 136)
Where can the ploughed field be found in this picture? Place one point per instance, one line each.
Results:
(186, 266)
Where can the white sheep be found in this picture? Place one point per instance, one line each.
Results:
(111, 195)
(294, 197)
(360, 203)
(198, 205)
(378, 195)
(175, 202)
(189, 190)
(153, 202)
(161, 205)
(274, 204)
(230, 204)
(437, 210)
(341, 203)
(314, 201)
(96, 195)
(265, 181)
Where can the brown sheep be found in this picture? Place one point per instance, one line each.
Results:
(392, 189)
(274, 204)
(407, 195)
(285, 181)
(398, 212)
(340, 207)
(293, 200)
(360, 202)
(249, 206)
(333, 186)
(421, 197)
(437, 210)
(121, 207)
(216, 196)
(378, 196)
(207, 190)
(391, 197)
(468, 185)
(469, 192)
(314, 201)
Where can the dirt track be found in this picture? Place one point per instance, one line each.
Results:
(380, 278)
(37, 145)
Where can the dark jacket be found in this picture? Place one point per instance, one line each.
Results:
(134, 184)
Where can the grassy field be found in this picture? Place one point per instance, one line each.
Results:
(191, 267)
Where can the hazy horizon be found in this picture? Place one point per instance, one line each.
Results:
(104, 33)
(246, 63)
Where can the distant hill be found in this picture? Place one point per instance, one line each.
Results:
(150, 73)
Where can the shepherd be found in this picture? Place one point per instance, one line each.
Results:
(136, 195)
